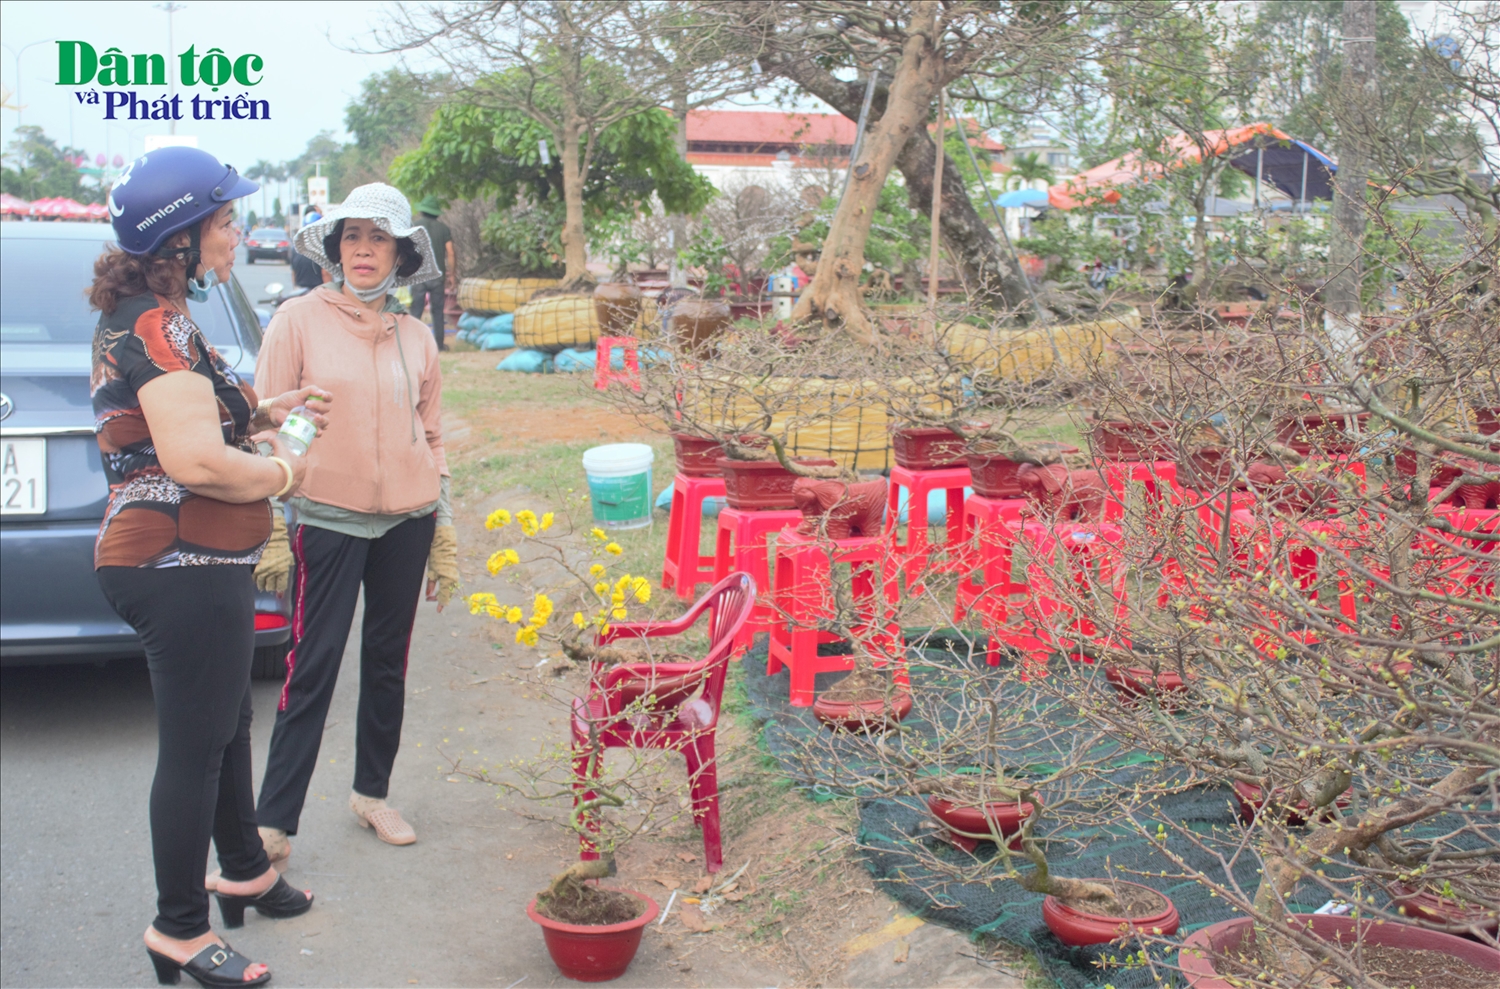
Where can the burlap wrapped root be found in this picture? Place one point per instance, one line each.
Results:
(1043, 352)
(499, 295)
(558, 322)
(847, 420)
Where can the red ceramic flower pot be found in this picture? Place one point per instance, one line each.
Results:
(928, 449)
(1136, 682)
(1077, 928)
(875, 713)
(1435, 909)
(974, 822)
(697, 456)
(1197, 962)
(754, 485)
(994, 475)
(594, 953)
(1251, 800)
(617, 305)
(1124, 439)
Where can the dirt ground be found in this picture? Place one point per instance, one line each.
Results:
(804, 911)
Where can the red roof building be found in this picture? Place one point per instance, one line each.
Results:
(754, 142)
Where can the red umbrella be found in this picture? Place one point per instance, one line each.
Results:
(12, 204)
(97, 211)
(71, 209)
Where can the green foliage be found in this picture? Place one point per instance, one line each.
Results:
(472, 151)
(976, 183)
(392, 111)
(707, 251)
(37, 168)
(526, 239)
(898, 233)
(1030, 167)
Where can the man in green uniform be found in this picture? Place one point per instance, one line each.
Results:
(442, 246)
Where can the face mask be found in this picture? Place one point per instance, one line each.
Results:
(371, 294)
(198, 288)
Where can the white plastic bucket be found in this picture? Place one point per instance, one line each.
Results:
(619, 478)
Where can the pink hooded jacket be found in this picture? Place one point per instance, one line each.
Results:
(382, 453)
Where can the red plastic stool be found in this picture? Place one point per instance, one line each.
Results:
(604, 365)
(988, 588)
(684, 567)
(742, 546)
(803, 597)
(1158, 477)
(911, 557)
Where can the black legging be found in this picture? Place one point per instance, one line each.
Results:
(331, 569)
(198, 627)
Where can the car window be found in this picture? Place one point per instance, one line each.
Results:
(43, 300)
(268, 233)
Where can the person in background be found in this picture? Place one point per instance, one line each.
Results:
(374, 508)
(187, 520)
(442, 246)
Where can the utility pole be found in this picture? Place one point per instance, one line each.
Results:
(1356, 110)
(171, 8)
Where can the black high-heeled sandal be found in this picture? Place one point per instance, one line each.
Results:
(214, 967)
(278, 902)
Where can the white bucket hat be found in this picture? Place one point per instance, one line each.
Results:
(391, 213)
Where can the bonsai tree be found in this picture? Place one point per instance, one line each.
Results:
(563, 584)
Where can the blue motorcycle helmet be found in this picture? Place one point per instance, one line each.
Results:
(168, 190)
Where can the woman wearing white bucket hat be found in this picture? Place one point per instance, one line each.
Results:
(373, 509)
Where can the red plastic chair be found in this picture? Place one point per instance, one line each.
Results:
(687, 696)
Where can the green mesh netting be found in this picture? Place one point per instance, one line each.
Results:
(824, 764)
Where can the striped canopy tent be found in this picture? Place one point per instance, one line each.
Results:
(1295, 167)
(13, 205)
(61, 207)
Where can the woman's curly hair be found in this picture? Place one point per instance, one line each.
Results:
(119, 275)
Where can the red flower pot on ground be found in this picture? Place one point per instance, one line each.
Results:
(1251, 800)
(595, 953)
(1150, 912)
(1136, 682)
(862, 702)
(1230, 937)
(1457, 917)
(969, 822)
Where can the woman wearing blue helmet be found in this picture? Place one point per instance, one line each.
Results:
(187, 519)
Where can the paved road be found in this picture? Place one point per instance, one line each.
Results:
(77, 752)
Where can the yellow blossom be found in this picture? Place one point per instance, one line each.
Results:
(597, 570)
(513, 615)
(527, 518)
(546, 521)
(498, 519)
(601, 588)
(614, 549)
(578, 620)
(598, 534)
(526, 635)
(478, 602)
(642, 590)
(502, 558)
(618, 613)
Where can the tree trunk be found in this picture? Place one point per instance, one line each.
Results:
(1355, 111)
(987, 266)
(677, 223)
(833, 297)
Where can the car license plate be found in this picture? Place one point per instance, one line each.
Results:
(23, 476)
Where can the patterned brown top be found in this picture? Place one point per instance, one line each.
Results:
(152, 521)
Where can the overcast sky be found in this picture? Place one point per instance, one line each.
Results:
(309, 76)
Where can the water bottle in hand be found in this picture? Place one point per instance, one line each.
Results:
(298, 431)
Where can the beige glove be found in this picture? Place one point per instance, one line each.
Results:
(442, 565)
(273, 571)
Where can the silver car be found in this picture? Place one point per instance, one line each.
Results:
(52, 487)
